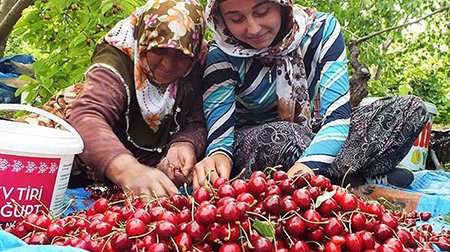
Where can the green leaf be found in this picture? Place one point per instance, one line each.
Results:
(324, 197)
(265, 228)
(446, 218)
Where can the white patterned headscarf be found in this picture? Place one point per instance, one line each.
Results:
(291, 81)
(175, 24)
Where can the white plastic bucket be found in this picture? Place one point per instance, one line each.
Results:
(416, 158)
(35, 164)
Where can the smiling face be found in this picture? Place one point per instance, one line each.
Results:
(167, 64)
(254, 22)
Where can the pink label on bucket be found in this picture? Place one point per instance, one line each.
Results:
(25, 179)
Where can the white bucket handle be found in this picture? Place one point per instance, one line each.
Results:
(17, 107)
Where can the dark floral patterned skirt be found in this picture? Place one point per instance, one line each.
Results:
(381, 134)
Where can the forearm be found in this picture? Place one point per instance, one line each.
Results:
(119, 166)
(94, 114)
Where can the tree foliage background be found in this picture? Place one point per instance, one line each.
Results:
(409, 60)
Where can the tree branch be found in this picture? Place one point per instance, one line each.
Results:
(12, 16)
(362, 39)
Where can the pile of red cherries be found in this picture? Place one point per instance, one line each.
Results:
(263, 213)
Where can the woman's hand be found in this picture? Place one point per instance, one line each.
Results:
(126, 172)
(179, 162)
(212, 167)
(299, 168)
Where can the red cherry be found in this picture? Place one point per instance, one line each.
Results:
(230, 212)
(135, 227)
(202, 194)
(43, 221)
(214, 233)
(239, 186)
(286, 186)
(195, 230)
(312, 218)
(406, 238)
(332, 247)
(226, 190)
(219, 182)
(165, 229)
(389, 219)
(334, 227)
(348, 202)
(230, 247)
(273, 190)
(382, 232)
(272, 204)
(358, 221)
(183, 242)
(39, 238)
(178, 202)
(295, 226)
(353, 242)
(256, 185)
(302, 197)
(120, 242)
(101, 205)
(258, 174)
(395, 243)
(288, 204)
(316, 235)
(229, 232)
(424, 216)
(55, 230)
(30, 221)
(141, 214)
(279, 175)
(300, 246)
(169, 216)
(246, 197)
(262, 244)
(158, 247)
(328, 207)
(206, 214)
(320, 181)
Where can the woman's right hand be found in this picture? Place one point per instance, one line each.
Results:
(132, 176)
(211, 168)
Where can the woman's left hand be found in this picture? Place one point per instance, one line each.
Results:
(299, 168)
(179, 162)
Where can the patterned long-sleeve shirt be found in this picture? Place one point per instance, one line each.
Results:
(240, 91)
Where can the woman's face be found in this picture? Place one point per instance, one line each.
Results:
(255, 22)
(167, 64)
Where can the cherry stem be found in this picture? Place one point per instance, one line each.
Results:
(298, 176)
(318, 244)
(16, 204)
(35, 226)
(345, 175)
(239, 175)
(259, 215)
(143, 235)
(289, 237)
(312, 222)
(246, 236)
(59, 213)
(174, 243)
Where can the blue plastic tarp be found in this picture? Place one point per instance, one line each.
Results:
(8, 70)
(10, 243)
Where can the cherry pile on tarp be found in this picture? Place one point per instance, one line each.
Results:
(263, 213)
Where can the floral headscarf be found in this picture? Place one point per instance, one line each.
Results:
(175, 24)
(291, 81)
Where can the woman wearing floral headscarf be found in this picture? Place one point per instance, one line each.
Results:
(271, 67)
(140, 105)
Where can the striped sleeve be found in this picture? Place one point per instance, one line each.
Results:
(219, 105)
(325, 58)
